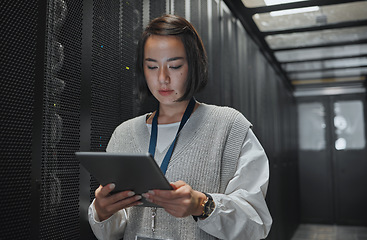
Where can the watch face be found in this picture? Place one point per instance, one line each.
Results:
(209, 207)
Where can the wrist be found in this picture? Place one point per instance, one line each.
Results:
(98, 216)
(207, 207)
(202, 199)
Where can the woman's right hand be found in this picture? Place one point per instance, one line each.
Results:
(106, 204)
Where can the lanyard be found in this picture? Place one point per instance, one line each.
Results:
(154, 134)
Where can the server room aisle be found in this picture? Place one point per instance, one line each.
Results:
(330, 232)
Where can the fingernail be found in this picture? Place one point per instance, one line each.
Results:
(145, 195)
(138, 197)
(130, 194)
(151, 192)
(140, 203)
(112, 186)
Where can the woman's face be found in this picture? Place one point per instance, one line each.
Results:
(165, 68)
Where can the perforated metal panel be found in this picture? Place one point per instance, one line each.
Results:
(131, 27)
(106, 73)
(59, 201)
(156, 9)
(17, 63)
(116, 28)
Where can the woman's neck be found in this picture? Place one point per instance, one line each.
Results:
(171, 113)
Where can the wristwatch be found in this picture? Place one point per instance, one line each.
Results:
(208, 207)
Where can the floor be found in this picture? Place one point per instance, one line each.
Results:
(329, 232)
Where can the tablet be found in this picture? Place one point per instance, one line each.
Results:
(136, 172)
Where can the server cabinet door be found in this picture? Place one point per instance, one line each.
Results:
(315, 167)
(332, 159)
(349, 159)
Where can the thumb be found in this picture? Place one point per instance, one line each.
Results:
(178, 184)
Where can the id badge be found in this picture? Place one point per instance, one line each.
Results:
(148, 238)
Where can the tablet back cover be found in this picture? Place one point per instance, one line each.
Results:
(136, 172)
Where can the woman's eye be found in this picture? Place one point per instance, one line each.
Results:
(152, 67)
(175, 67)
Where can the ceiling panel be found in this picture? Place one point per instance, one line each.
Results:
(326, 64)
(321, 53)
(316, 38)
(323, 15)
(314, 41)
(261, 3)
(347, 72)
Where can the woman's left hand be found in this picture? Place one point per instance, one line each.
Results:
(182, 201)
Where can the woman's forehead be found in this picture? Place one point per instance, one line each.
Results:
(164, 46)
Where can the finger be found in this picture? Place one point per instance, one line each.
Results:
(98, 190)
(171, 194)
(119, 196)
(160, 196)
(172, 204)
(178, 184)
(169, 203)
(183, 191)
(158, 202)
(117, 201)
(126, 202)
(173, 186)
(104, 191)
(105, 209)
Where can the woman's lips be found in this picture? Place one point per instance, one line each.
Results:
(165, 92)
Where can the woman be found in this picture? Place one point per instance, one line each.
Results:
(218, 169)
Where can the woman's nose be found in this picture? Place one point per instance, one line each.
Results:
(163, 76)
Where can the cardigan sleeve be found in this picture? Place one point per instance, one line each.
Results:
(241, 212)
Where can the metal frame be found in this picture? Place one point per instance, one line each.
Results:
(245, 15)
(37, 138)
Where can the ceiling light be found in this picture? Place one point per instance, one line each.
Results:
(277, 2)
(294, 11)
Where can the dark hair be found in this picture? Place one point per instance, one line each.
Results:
(195, 52)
